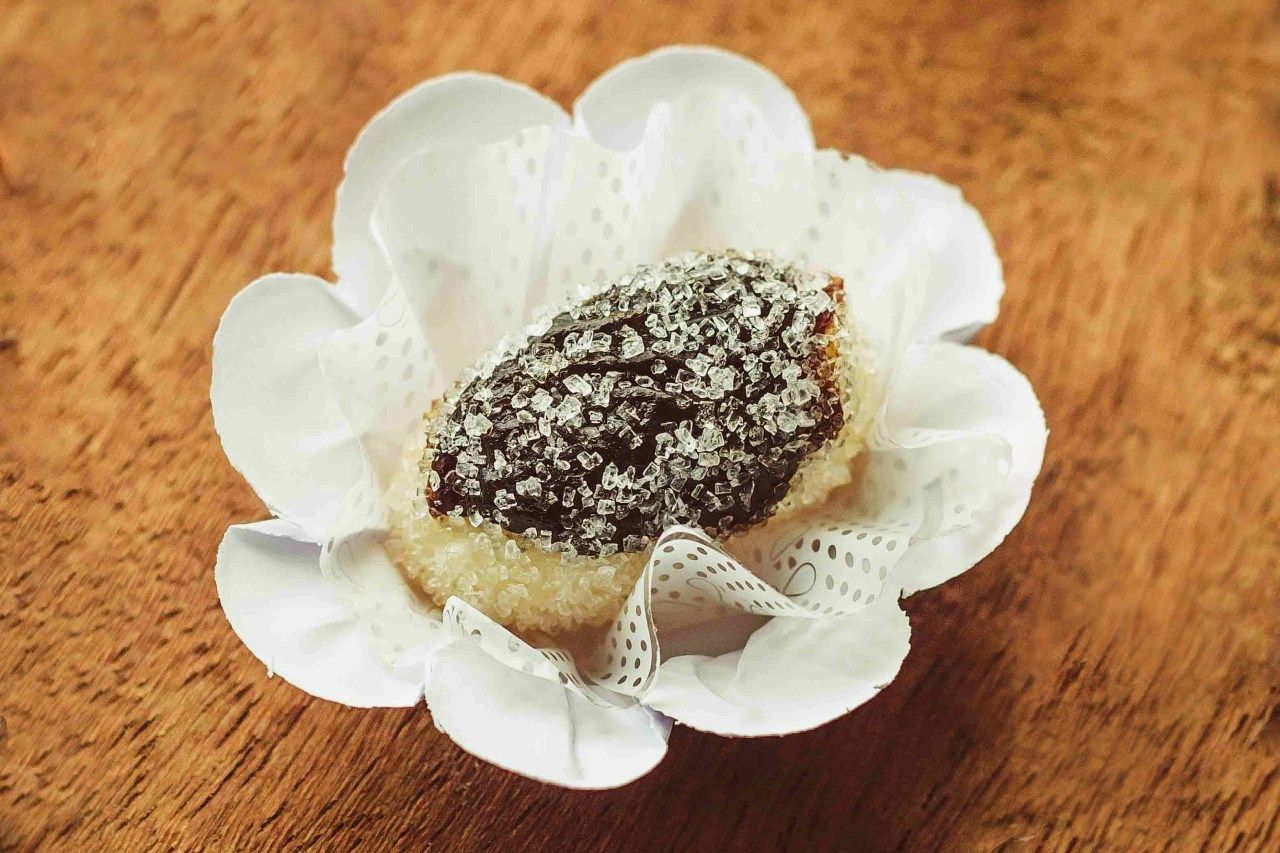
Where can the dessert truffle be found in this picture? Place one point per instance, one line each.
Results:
(713, 390)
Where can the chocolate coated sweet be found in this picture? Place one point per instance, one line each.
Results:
(686, 392)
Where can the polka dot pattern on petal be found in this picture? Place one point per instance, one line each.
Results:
(551, 664)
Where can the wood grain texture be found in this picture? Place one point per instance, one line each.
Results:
(1109, 678)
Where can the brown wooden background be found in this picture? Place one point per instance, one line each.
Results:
(1109, 678)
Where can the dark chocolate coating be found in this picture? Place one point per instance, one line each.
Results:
(689, 392)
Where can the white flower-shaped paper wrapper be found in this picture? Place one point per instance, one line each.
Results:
(470, 202)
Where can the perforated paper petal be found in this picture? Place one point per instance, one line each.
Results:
(691, 584)
(301, 625)
(535, 726)
(457, 109)
(607, 211)
(965, 280)
(395, 618)
(383, 374)
(613, 110)
(556, 665)
(272, 407)
(861, 227)
(839, 567)
(624, 657)
(964, 389)
(729, 183)
(698, 178)
(792, 675)
(802, 580)
(465, 231)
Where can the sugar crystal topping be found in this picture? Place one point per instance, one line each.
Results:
(687, 392)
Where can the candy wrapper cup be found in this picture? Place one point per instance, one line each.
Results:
(469, 204)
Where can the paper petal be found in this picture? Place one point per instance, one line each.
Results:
(384, 376)
(858, 226)
(468, 109)
(704, 175)
(965, 280)
(465, 229)
(803, 580)
(876, 227)
(727, 185)
(690, 583)
(964, 389)
(607, 207)
(613, 110)
(536, 727)
(554, 664)
(272, 408)
(792, 675)
(299, 624)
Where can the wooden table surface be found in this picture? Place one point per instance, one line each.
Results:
(1110, 677)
